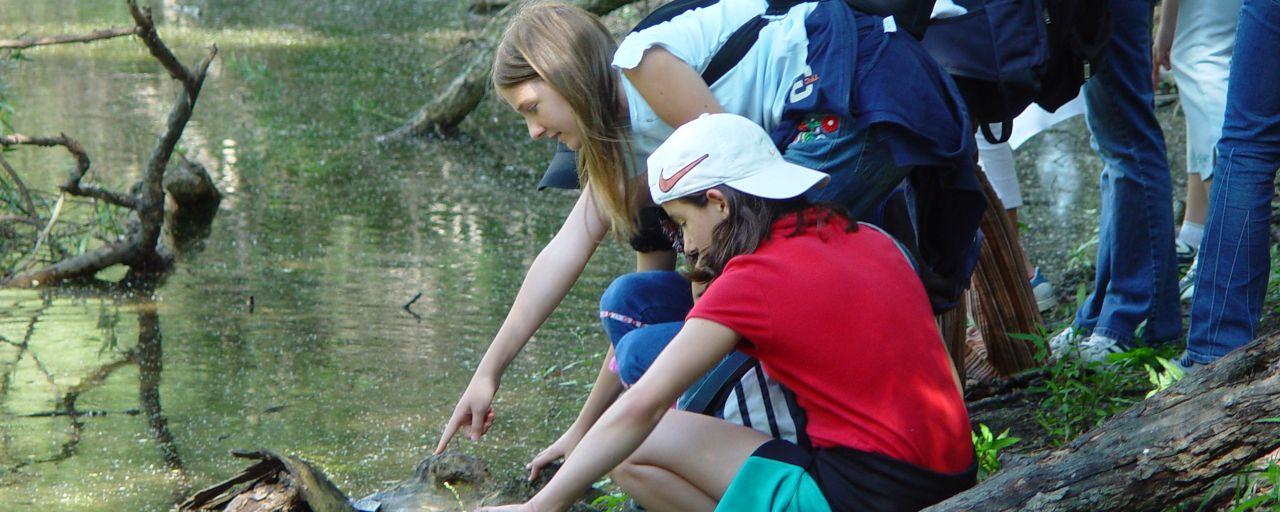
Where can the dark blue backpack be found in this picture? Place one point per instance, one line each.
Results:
(996, 53)
(1005, 55)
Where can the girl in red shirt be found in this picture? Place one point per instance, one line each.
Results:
(832, 309)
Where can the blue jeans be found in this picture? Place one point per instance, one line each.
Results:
(1234, 259)
(861, 167)
(1136, 275)
(641, 313)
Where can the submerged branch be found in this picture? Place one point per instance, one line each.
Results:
(97, 35)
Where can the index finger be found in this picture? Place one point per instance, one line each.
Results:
(451, 428)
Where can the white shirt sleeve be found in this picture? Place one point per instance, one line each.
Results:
(692, 36)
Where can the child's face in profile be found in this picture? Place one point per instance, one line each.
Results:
(697, 223)
(546, 113)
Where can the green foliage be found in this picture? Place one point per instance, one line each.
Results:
(247, 68)
(457, 497)
(988, 448)
(610, 502)
(1163, 379)
(1079, 396)
(1082, 256)
(1257, 489)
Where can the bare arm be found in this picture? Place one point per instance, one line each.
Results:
(548, 280)
(603, 393)
(672, 88)
(693, 352)
(1162, 44)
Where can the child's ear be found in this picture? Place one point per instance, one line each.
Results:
(716, 200)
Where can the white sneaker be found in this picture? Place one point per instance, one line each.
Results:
(1063, 342)
(1183, 252)
(1097, 347)
(1187, 285)
(1184, 363)
(1046, 295)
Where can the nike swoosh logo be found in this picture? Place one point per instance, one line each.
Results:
(666, 184)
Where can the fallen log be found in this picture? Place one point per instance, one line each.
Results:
(275, 483)
(442, 114)
(1169, 449)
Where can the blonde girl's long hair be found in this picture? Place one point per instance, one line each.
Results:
(571, 51)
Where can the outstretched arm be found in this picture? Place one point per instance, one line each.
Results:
(694, 351)
(603, 393)
(547, 282)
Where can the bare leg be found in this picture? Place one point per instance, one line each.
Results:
(1197, 199)
(658, 489)
(687, 452)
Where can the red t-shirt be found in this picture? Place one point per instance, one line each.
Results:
(843, 321)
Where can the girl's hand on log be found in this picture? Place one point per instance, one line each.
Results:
(474, 409)
(556, 451)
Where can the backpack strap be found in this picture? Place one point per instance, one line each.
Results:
(734, 49)
(1006, 130)
(712, 390)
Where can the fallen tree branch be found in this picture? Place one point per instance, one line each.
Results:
(75, 175)
(1168, 449)
(151, 195)
(138, 248)
(97, 35)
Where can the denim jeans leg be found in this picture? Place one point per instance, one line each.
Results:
(637, 302)
(636, 350)
(1234, 256)
(639, 299)
(1136, 276)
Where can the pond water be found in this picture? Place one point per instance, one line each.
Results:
(284, 329)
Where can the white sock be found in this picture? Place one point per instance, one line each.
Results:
(1191, 233)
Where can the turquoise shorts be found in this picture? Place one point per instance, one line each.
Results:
(774, 478)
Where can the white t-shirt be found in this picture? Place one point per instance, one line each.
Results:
(755, 88)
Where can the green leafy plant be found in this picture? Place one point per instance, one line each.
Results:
(1257, 490)
(988, 447)
(1161, 380)
(610, 502)
(1078, 396)
(457, 497)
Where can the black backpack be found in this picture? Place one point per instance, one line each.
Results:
(1005, 55)
(1078, 30)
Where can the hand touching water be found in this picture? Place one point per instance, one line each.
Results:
(474, 409)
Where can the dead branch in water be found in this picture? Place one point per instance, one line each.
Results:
(97, 35)
(138, 249)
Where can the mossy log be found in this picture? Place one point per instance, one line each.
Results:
(1169, 449)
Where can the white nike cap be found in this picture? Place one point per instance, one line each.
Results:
(724, 149)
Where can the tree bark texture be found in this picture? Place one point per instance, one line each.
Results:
(442, 114)
(1003, 302)
(1169, 449)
